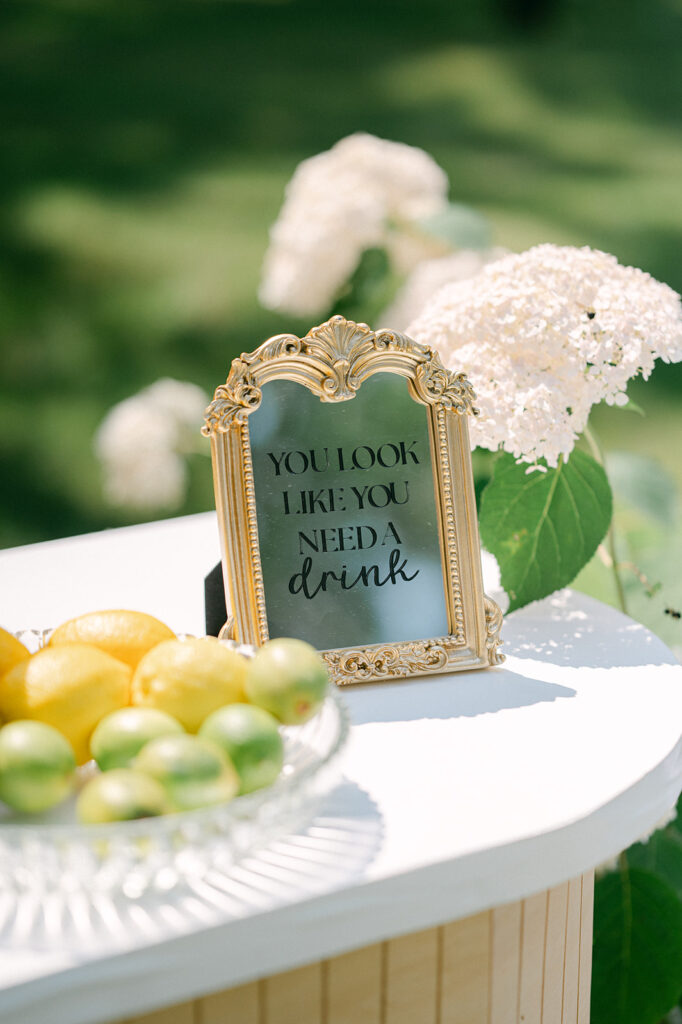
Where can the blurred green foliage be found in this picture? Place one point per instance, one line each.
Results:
(144, 154)
(145, 150)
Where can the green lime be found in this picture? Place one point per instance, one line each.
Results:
(193, 771)
(289, 679)
(120, 795)
(121, 735)
(250, 737)
(37, 766)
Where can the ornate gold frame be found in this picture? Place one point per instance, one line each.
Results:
(332, 361)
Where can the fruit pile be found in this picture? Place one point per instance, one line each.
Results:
(172, 724)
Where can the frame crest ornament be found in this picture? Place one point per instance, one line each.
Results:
(332, 361)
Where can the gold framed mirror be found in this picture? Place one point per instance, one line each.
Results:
(346, 505)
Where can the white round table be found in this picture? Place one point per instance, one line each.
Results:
(448, 876)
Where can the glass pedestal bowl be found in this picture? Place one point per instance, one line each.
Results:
(51, 851)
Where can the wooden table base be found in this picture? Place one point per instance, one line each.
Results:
(522, 963)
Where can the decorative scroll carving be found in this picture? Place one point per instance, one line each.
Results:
(493, 625)
(433, 383)
(277, 347)
(387, 661)
(333, 360)
(233, 401)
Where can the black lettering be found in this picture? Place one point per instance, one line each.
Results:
(359, 535)
(360, 495)
(304, 462)
(276, 462)
(345, 543)
(316, 501)
(363, 577)
(314, 544)
(313, 460)
(398, 570)
(381, 459)
(328, 574)
(390, 529)
(325, 543)
(375, 493)
(302, 587)
(368, 575)
(394, 497)
(408, 451)
(356, 460)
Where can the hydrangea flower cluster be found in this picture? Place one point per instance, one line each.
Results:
(544, 335)
(338, 204)
(429, 276)
(141, 440)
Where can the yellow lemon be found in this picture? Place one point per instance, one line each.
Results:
(189, 679)
(11, 651)
(122, 634)
(69, 687)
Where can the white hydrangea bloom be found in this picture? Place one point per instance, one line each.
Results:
(130, 425)
(338, 204)
(140, 440)
(182, 402)
(148, 479)
(544, 335)
(428, 277)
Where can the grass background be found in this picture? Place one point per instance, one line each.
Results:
(146, 147)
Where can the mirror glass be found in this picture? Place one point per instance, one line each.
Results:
(347, 520)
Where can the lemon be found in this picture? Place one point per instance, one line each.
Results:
(122, 634)
(11, 651)
(189, 679)
(69, 687)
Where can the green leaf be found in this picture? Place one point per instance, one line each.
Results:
(661, 854)
(637, 954)
(483, 463)
(459, 226)
(543, 527)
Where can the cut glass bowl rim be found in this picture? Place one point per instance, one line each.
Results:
(332, 715)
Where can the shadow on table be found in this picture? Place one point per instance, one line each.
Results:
(338, 846)
(576, 630)
(460, 696)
